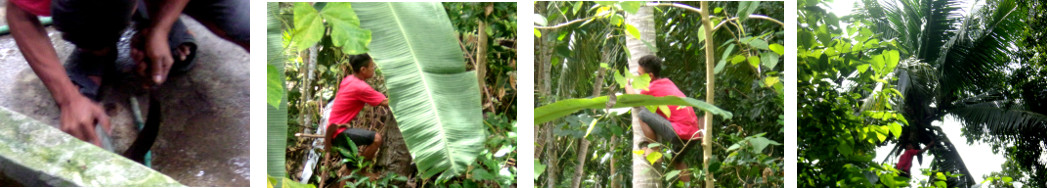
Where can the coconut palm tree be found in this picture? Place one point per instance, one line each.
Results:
(956, 65)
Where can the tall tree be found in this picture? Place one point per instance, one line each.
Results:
(643, 20)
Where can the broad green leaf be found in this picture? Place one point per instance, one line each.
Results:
(632, 31)
(631, 6)
(737, 59)
(671, 174)
(274, 86)
(345, 28)
(759, 143)
(276, 115)
(569, 106)
(862, 68)
(891, 58)
(845, 148)
(769, 59)
(717, 10)
(896, 129)
(745, 8)
(754, 61)
(777, 48)
(759, 43)
(577, 7)
(723, 59)
(308, 26)
(435, 100)
(537, 33)
(641, 82)
(620, 79)
(770, 81)
(538, 168)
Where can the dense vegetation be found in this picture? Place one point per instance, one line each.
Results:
(316, 39)
(881, 76)
(581, 51)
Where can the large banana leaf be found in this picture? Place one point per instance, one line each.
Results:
(276, 117)
(436, 102)
(567, 107)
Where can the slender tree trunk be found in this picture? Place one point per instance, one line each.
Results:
(481, 60)
(543, 74)
(643, 20)
(614, 163)
(583, 144)
(709, 91)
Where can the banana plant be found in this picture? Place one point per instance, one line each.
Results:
(435, 100)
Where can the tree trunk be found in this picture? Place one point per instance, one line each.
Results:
(542, 76)
(643, 20)
(481, 61)
(583, 144)
(709, 91)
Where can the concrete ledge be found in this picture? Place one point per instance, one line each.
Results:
(36, 154)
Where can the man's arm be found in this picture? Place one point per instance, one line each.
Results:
(79, 114)
(164, 13)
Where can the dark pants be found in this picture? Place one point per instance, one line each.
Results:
(95, 25)
(361, 137)
(691, 154)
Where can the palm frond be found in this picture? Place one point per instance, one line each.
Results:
(998, 118)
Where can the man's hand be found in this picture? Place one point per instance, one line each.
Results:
(157, 60)
(79, 118)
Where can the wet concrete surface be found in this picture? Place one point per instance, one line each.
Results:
(204, 135)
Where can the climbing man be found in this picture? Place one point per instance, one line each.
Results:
(679, 126)
(905, 160)
(352, 94)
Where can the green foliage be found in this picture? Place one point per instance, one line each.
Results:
(344, 26)
(436, 102)
(566, 107)
(276, 114)
(577, 53)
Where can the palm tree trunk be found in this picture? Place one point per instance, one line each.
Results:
(709, 91)
(643, 20)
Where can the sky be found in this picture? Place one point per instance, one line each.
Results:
(978, 156)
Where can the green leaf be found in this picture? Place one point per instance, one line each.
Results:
(845, 148)
(769, 59)
(745, 8)
(274, 86)
(759, 143)
(590, 129)
(539, 168)
(895, 129)
(754, 61)
(345, 28)
(653, 157)
(276, 115)
(770, 81)
(309, 27)
(862, 68)
(671, 174)
(632, 31)
(701, 35)
(566, 107)
(435, 100)
(632, 6)
(665, 110)
(717, 10)
(737, 59)
(723, 59)
(759, 43)
(537, 33)
(777, 48)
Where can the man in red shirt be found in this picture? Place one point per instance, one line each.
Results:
(352, 94)
(675, 128)
(905, 160)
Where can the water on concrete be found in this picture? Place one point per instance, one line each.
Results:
(204, 136)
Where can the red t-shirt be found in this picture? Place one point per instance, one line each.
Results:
(684, 121)
(37, 7)
(905, 162)
(352, 94)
